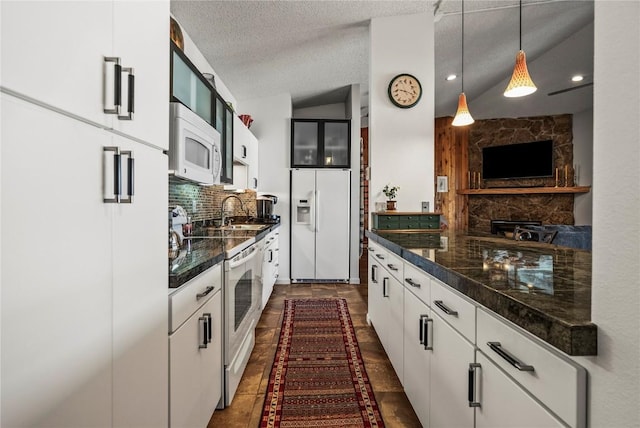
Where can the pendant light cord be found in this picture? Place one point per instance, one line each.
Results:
(462, 68)
(520, 24)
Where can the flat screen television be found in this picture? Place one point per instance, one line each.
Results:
(521, 160)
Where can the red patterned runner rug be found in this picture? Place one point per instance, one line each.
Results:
(318, 377)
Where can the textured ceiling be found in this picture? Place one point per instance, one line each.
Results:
(314, 49)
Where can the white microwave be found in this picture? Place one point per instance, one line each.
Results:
(194, 147)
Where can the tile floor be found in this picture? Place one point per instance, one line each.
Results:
(246, 408)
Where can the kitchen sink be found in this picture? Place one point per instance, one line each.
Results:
(243, 227)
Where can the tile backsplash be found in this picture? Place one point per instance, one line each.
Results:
(204, 202)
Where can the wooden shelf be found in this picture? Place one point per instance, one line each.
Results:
(524, 190)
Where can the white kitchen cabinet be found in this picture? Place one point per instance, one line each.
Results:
(245, 156)
(503, 404)
(270, 265)
(195, 356)
(393, 304)
(56, 271)
(417, 356)
(54, 52)
(374, 292)
(253, 167)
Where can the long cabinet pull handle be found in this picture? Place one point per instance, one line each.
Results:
(131, 80)
(202, 321)
(497, 348)
(424, 332)
(444, 308)
(412, 283)
(117, 86)
(209, 326)
(117, 176)
(472, 385)
(385, 286)
(206, 291)
(380, 256)
(392, 267)
(130, 174)
(374, 274)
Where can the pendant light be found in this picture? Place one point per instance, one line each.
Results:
(463, 117)
(521, 83)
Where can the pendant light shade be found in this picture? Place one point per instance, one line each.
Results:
(521, 83)
(463, 117)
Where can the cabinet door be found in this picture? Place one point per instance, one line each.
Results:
(395, 336)
(54, 52)
(253, 167)
(140, 291)
(140, 40)
(211, 363)
(374, 292)
(449, 376)
(504, 404)
(304, 144)
(336, 144)
(56, 270)
(417, 357)
(240, 141)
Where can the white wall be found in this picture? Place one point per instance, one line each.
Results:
(614, 374)
(272, 127)
(583, 162)
(401, 141)
(328, 111)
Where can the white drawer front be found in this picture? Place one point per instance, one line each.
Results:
(185, 301)
(395, 266)
(418, 282)
(454, 309)
(555, 380)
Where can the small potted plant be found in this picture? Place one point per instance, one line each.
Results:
(391, 193)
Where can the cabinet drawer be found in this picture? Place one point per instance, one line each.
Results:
(379, 254)
(455, 309)
(558, 382)
(193, 294)
(394, 265)
(417, 282)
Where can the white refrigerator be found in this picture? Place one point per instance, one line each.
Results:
(320, 224)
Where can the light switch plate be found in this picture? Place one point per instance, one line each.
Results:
(425, 206)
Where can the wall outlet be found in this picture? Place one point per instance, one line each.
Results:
(425, 206)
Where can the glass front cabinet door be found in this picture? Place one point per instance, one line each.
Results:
(320, 143)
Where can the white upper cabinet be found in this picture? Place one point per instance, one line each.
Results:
(141, 40)
(54, 52)
(64, 54)
(245, 156)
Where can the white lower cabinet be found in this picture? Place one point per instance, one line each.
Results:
(195, 351)
(463, 366)
(270, 265)
(504, 404)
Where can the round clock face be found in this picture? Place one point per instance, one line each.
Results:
(405, 90)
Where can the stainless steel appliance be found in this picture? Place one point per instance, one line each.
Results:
(264, 206)
(242, 300)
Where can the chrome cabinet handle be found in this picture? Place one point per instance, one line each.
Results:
(374, 274)
(209, 326)
(385, 287)
(117, 86)
(203, 321)
(117, 176)
(380, 256)
(412, 283)
(131, 80)
(130, 174)
(497, 348)
(206, 291)
(472, 385)
(444, 308)
(424, 332)
(392, 267)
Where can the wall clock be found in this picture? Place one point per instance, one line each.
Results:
(405, 90)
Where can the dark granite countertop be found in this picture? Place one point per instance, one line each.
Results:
(208, 247)
(543, 288)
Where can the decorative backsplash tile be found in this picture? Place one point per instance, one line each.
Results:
(207, 200)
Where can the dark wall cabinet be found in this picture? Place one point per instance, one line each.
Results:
(320, 143)
(191, 88)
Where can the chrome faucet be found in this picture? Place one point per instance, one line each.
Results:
(222, 214)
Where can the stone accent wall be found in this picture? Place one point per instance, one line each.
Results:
(208, 200)
(550, 209)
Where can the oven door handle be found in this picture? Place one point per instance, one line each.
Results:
(235, 263)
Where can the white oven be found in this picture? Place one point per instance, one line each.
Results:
(242, 300)
(194, 147)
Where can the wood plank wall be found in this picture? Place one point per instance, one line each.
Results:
(452, 161)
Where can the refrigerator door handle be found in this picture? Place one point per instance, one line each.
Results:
(317, 211)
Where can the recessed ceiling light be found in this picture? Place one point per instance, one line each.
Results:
(577, 78)
(451, 77)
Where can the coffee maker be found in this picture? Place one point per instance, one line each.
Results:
(264, 208)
